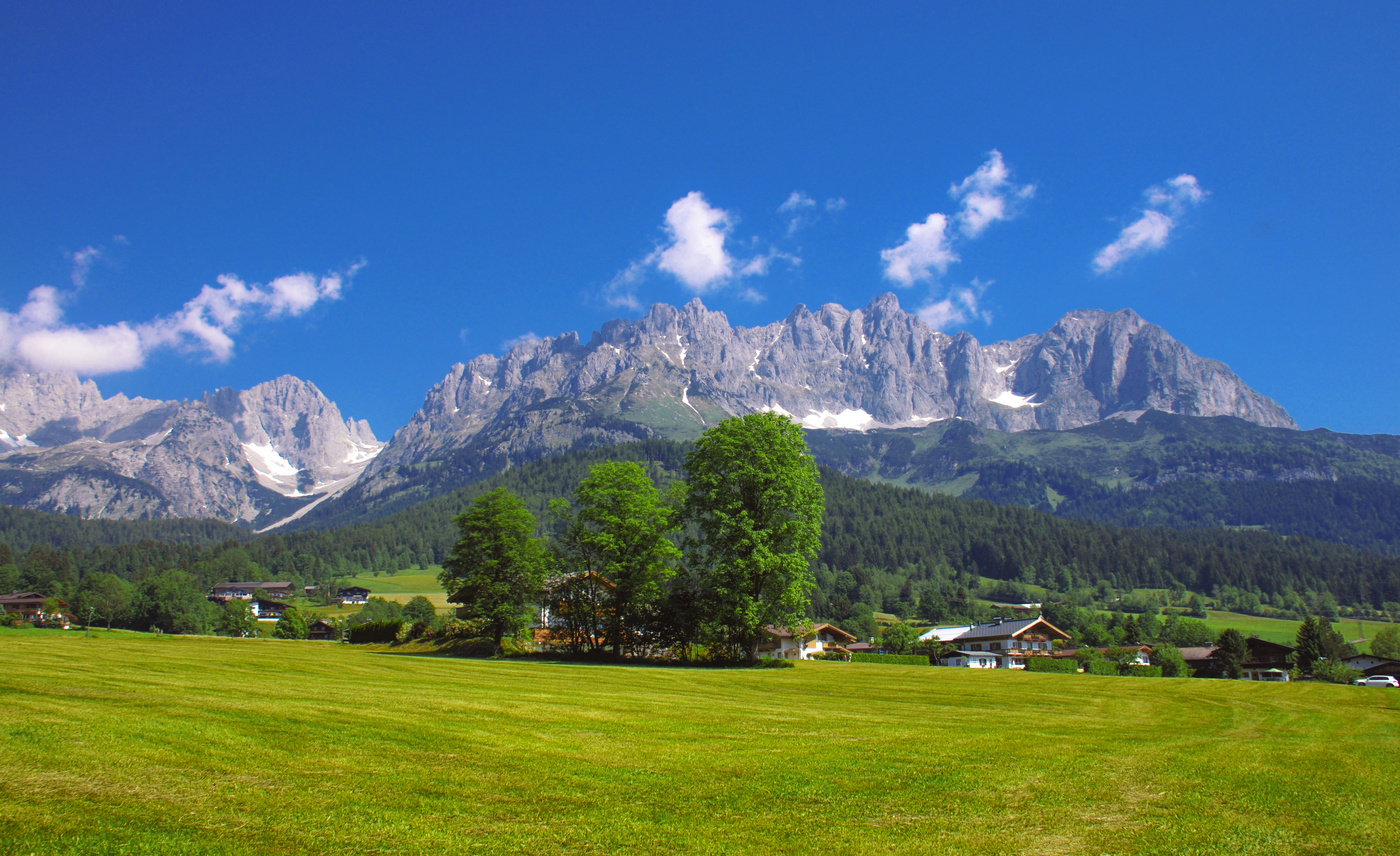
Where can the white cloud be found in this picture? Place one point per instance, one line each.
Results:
(1166, 203)
(835, 204)
(82, 264)
(797, 201)
(958, 307)
(522, 339)
(696, 254)
(799, 209)
(37, 335)
(988, 195)
(925, 249)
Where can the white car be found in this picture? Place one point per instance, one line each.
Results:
(1378, 681)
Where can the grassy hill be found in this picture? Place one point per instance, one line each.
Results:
(138, 744)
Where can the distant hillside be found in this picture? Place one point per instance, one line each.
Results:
(1157, 469)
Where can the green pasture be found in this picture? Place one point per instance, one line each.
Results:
(134, 744)
(401, 587)
(1285, 630)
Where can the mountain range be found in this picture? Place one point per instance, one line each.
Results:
(282, 451)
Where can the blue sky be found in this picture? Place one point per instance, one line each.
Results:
(364, 194)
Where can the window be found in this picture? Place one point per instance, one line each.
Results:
(977, 647)
(996, 646)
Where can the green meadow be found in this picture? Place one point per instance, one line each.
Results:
(1286, 630)
(127, 743)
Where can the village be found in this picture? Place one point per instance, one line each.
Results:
(1028, 642)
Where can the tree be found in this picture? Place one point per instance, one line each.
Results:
(420, 609)
(497, 568)
(1231, 652)
(1387, 642)
(620, 532)
(105, 595)
(1308, 645)
(291, 625)
(1169, 658)
(173, 602)
(756, 500)
(236, 619)
(899, 638)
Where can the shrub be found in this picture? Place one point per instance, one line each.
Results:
(1052, 664)
(421, 630)
(456, 628)
(891, 659)
(1335, 672)
(1168, 658)
(1136, 671)
(1100, 667)
(375, 631)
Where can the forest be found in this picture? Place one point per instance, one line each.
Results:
(883, 548)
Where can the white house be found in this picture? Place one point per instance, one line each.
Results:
(1010, 641)
(975, 660)
(783, 644)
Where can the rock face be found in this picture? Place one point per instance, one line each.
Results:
(675, 371)
(256, 456)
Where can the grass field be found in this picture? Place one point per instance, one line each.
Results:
(401, 587)
(1286, 630)
(125, 743)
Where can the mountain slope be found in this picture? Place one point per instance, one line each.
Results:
(1154, 469)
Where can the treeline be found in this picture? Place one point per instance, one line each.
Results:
(888, 548)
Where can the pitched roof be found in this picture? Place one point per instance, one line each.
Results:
(23, 597)
(785, 633)
(1197, 653)
(990, 630)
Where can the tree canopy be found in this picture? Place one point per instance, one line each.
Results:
(497, 568)
(754, 496)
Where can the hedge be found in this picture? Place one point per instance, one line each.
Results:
(891, 659)
(1051, 664)
(1137, 671)
(375, 631)
(1100, 667)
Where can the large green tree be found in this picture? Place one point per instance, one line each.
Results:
(236, 619)
(1308, 645)
(754, 497)
(291, 625)
(106, 596)
(1231, 653)
(497, 568)
(619, 530)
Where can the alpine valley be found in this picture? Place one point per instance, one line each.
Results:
(1103, 417)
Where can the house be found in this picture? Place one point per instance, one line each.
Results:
(267, 610)
(1201, 661)
(1267, 661)
(223, 592)
(1013, 640)
(29, 606)
(781, 643)
(353, 594)
(977, 660)
(1263, 661)
(323, 630)
(1372, 664)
